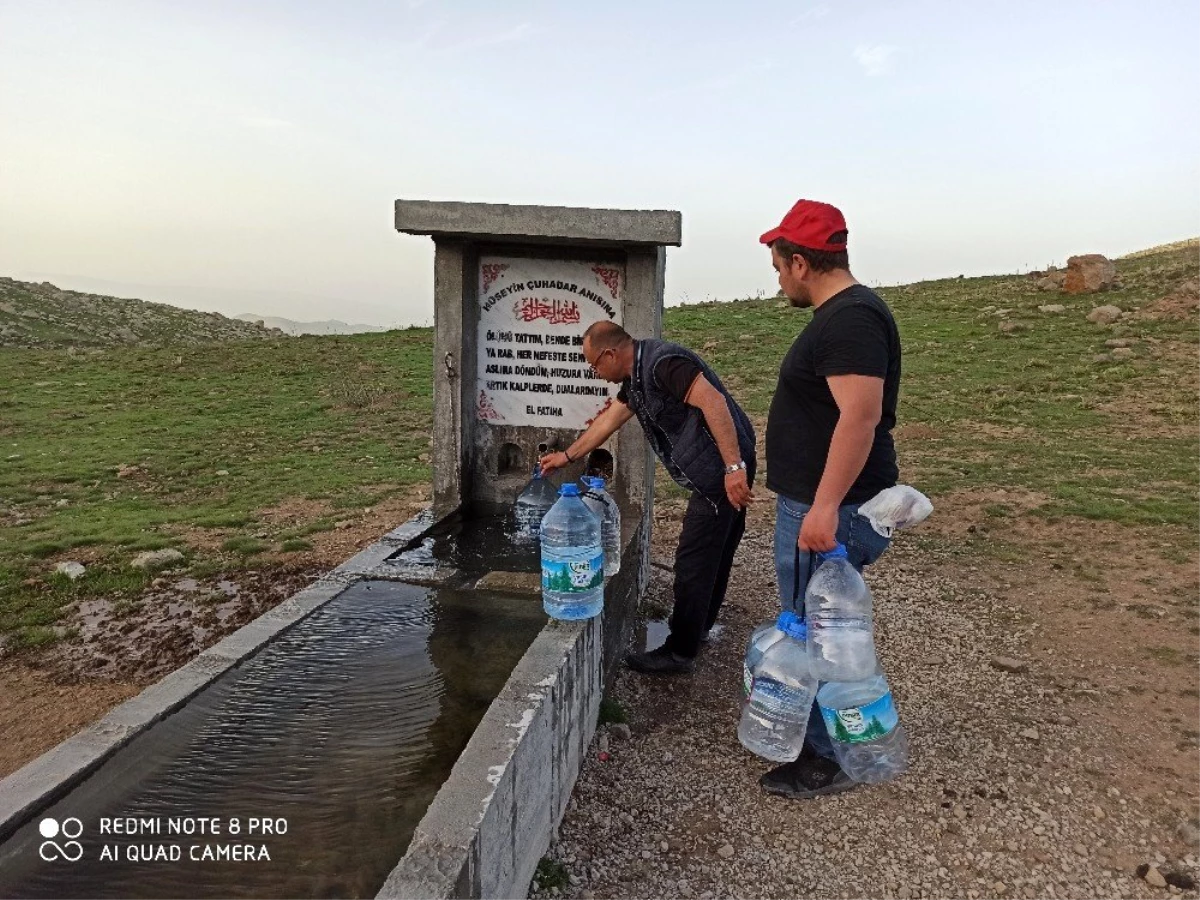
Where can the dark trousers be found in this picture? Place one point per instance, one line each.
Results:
(709, 539)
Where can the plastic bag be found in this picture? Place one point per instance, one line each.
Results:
(896, 507)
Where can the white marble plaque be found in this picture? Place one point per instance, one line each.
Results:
(532, 315)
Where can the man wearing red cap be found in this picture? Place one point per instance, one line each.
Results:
(829, 441)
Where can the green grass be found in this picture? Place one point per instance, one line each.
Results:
(338, 419)
(1031, 410)
(551, 874)
(346, 420)
(611, 712)
(1168, 655)
(246, 546)
(32, 638)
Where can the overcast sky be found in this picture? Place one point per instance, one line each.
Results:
(245, 156)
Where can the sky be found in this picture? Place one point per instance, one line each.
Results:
(244, 156)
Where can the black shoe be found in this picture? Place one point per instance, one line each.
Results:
(808, 776)
(660, 662)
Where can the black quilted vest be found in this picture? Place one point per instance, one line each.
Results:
(677, 432)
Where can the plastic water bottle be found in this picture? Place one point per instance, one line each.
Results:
(776, 716)
(841, 635)
(865, 729)
(763, 637)
(533, 503)
(572, 558)
(602, 504)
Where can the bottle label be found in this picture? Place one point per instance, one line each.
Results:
(574, 577)
(780, 696)
(861, 724)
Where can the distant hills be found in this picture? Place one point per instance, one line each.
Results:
(288, 326)
(42, 315)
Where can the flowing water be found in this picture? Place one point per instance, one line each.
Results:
(473, 545)
(341, 730)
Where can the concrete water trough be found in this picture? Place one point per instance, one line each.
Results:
(365, 717)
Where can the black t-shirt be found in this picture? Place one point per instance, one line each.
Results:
(851, 333)
(674, 375)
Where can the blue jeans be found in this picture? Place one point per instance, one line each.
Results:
(864, 545)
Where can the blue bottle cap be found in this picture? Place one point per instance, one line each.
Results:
(797, 629)
(838, 552)
(785, 617)
(570, 489)
(593, 481)
(537, 471)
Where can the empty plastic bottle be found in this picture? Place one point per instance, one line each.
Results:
(775, 717)
(841, 635)
(763, 637)
(572, 558)
(865, 729)
(533, 503)
(601, 502)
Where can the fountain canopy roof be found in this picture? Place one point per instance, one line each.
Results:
(540, 224)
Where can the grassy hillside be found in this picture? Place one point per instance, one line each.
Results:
(1044, 407)
(136, 448)
(41, 315)
(132, 449)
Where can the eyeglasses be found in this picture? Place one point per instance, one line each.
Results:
(600, 356)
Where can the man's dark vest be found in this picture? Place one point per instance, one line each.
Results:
(677, 432)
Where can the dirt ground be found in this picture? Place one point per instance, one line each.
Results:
(1089, 595)
(1060, 779)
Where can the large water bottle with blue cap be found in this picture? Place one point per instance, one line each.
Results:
(532, 504)
(865, 728)
(837, 605)
(572, 558)
(764, 636)
(602, 504)
(775, 717)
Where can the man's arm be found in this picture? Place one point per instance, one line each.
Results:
(860, 406)
(712, 403)
(602, 428)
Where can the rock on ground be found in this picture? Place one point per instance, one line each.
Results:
(72, 570)
(1052, 281)
(1089, 273)
(156, 559)
(1104, 315)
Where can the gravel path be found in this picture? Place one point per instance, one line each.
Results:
(1011, 793)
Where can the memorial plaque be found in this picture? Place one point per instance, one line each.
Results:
(532, 316)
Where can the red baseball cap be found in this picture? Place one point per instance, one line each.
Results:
(811, 224)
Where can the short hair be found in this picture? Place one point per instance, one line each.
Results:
(606, 335)
(818, 260)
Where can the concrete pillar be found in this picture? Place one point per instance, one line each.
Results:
(454, 347)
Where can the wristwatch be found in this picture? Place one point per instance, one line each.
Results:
(740, 464)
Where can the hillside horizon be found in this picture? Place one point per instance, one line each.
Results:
(43, 315)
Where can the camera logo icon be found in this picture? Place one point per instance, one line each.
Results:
(69, 850)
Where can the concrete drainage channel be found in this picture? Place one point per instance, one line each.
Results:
(482, 835)
(493, 818)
